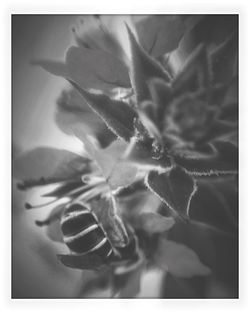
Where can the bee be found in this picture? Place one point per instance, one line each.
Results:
(83, 233)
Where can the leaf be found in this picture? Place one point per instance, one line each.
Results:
(216, 204)
(160, 34)
(222, 160)
(153, 223)
(74, 112)
(89, 69)
(218, 129)
(215, 248)
(83, 262)
(162, 95)
(49, 162)
(179, 260)
(196, 236)
(205, 31)
(184, 288)
(175, 188)
(195, 72)
(117, 115)
(224, 60)
(143, 69)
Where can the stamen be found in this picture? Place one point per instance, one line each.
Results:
(91, 191)
(29, 206)
(26, 184)
(42, 223)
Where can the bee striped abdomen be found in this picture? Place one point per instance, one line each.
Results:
(82, 233)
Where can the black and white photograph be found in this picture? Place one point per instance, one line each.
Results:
(125, 156)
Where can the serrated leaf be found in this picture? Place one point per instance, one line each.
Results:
(223, 160)
(143, 69)
(160, 34)
(49, 162)
(83, 262)
(154, 223)
(175, 188)
(90, 69)
(179, 260)
(74, 112)
(117, 115)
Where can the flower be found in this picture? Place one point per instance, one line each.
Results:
(156, 133)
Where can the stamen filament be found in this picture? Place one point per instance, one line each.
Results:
(90, 191)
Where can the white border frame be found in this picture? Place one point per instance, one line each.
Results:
(126, 7)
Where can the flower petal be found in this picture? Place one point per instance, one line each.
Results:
(49, 162)
(96, 69)
(74, 112)
(153, 223)
(160, 34)
(179, 260)
(89, 68)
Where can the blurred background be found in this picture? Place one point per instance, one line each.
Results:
(36, 273)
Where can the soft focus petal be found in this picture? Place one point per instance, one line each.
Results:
(74, 113)
(160, 34)
(179, 260)
(49, 162)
